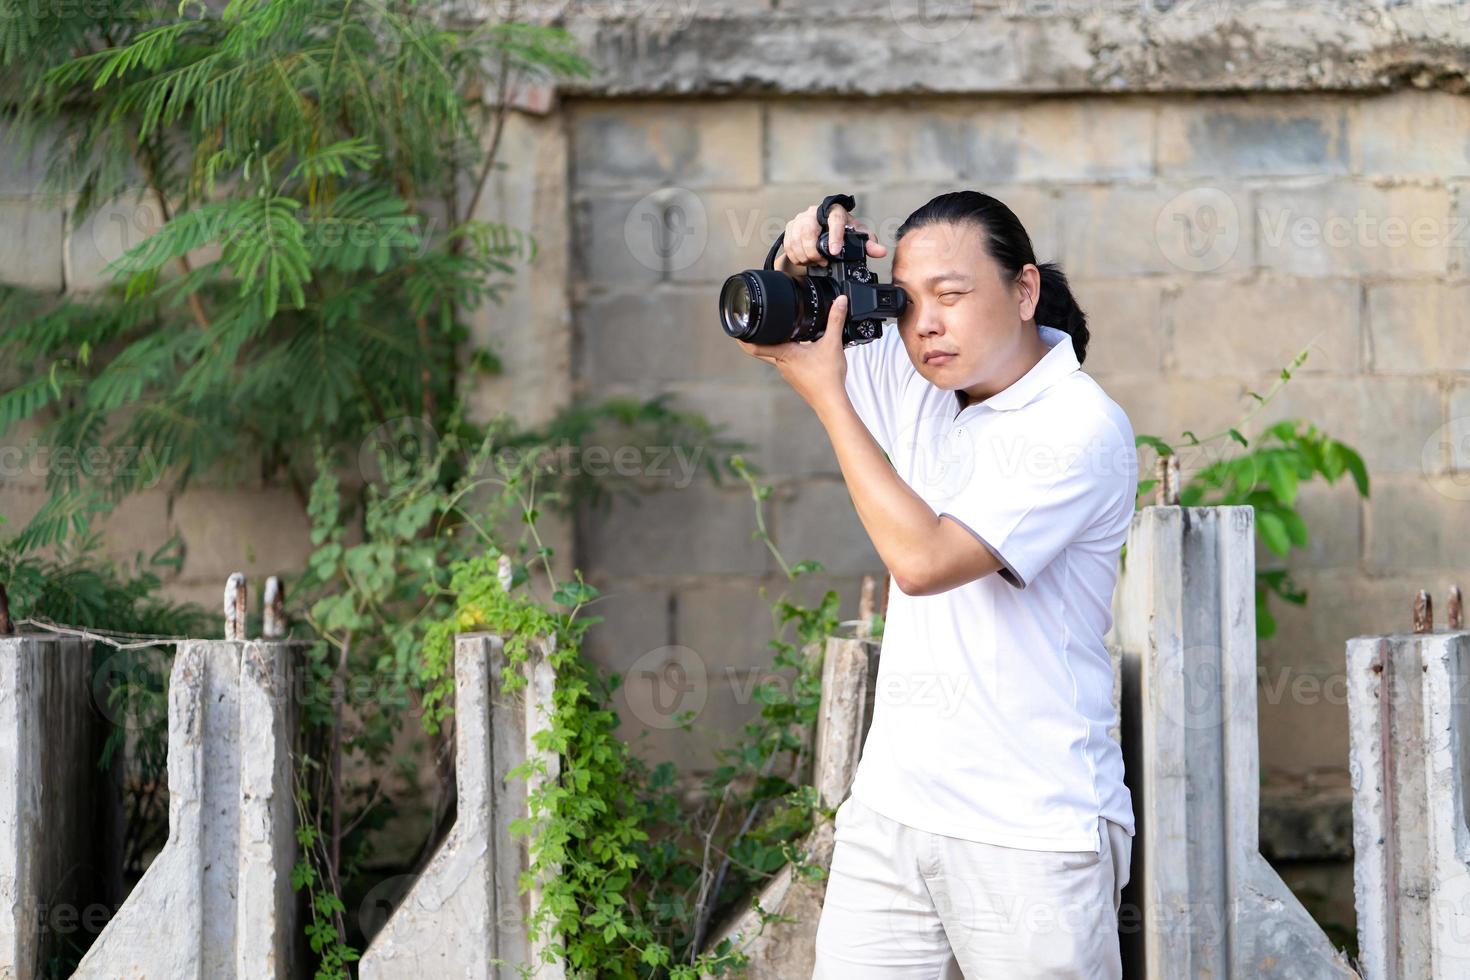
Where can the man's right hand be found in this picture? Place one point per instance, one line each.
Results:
(799, 247)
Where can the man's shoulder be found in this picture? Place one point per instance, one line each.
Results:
(1077, 409)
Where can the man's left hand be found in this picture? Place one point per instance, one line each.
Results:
(816, 369)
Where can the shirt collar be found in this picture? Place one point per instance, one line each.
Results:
(1055, 364)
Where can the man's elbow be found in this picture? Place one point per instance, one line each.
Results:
(926, 575)
(921, 579)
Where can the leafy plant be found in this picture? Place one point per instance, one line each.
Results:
(313, 256)
(1267, 477)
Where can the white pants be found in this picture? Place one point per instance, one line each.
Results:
(903, 903)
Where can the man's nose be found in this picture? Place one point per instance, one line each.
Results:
(930, 325)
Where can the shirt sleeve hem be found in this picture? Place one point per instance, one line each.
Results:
(1007, 571)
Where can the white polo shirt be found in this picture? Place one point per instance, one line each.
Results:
(994, 699)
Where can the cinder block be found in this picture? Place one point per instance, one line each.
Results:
(784, 436)
(622, 240)
(649, 143)
(1388, 420)
(694, 531)
(728, 623)
(1418, 327)
(1264, 136)
(1091, 139)
(817, 522)
(257, 532)
(138, 526)
(1350, 229)
(1410, 132)
(722, 705)
(634, 620)
(819, 141)
(660, 336)
(1124, 325)
(739, 229)
(30, 248)
(22, 168)
(1414, 527)
(1127, 230)
(1457, 433)
(1254, 327)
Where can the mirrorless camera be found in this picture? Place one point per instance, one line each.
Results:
(766, 306)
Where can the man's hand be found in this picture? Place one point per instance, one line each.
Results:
(799, 246)
(816, 369)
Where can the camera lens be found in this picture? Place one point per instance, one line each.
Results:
(762, 306)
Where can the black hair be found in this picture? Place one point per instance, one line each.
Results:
(1009, 245)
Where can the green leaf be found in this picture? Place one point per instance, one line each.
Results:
(1281, 477)
(1273, 532)
(1235, 434)
(575, 594)
(1159, 445)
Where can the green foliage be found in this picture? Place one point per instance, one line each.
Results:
(314, 255)
(1267, 477)
(620, 888)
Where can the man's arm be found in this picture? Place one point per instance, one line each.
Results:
(925, 553)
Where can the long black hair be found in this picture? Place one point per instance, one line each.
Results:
(1009, 245)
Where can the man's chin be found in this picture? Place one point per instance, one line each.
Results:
(941, 376)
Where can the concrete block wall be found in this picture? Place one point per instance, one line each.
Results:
(1209, 238)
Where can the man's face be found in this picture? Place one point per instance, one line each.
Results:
(964, 319)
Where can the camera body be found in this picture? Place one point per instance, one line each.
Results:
(765, 306)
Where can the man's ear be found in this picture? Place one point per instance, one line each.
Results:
(1028, 289)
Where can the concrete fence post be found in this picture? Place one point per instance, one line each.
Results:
(55, 804)
(1409, 748)
(464, 916)
(787, 949)
(1211, 904)
(217, 900)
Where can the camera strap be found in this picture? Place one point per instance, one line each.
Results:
(846, 200)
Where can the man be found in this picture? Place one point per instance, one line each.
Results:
(988, 830)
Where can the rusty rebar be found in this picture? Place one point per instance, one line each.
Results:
(1423, 613)
(273, 626)
(1166, 485)
(235, 608)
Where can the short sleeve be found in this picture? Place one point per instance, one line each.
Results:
(1029, 509)
(876, 374)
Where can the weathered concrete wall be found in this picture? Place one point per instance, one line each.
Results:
(56, 879)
